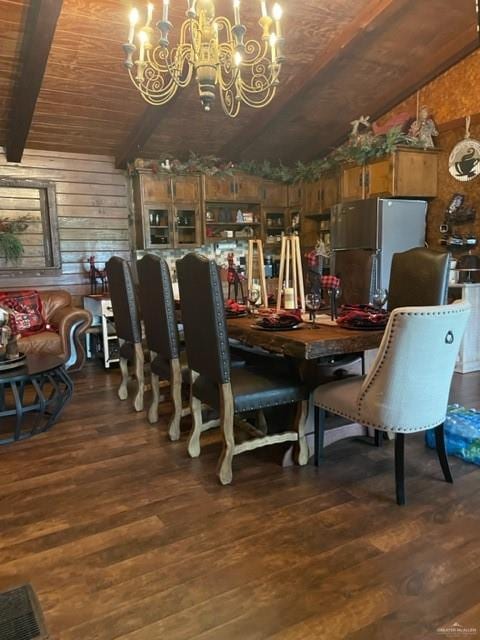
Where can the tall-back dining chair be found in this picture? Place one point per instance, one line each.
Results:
(127, 324)
(167, 362)
(418, 277)
(407, 387)
(354, 267)
(215, 382)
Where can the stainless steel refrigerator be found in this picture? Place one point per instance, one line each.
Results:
(380, 226)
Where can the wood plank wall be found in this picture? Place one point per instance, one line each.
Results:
(92, 209)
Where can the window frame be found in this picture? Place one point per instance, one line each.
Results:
(51, 238)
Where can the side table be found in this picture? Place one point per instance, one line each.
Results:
(32, 397)
(100, 306)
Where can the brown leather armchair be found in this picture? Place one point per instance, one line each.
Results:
(68, 324)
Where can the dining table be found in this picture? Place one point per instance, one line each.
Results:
(306, 344)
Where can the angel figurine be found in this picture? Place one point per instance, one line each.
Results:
(424, 129)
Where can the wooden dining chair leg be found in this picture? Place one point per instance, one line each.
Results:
(123, 363)
(400, 468)
(152, 414)
(442, 452)
(176, 393)
(140, 376)
(196, 430)
(378, 438)
(362, 361)
(224, 470)
(302, 453)
(319, 426)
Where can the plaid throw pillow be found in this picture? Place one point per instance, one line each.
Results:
(26, 311)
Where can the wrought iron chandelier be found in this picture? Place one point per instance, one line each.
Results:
(211, 50)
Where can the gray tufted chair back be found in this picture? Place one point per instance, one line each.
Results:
(203, 316)
(408, 385)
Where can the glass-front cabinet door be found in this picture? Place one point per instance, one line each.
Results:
(187, 226)
(159, 226)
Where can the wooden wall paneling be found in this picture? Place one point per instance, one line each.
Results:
(38, 36)
(92, 214)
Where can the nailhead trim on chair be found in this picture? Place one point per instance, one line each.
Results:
(451, 311)
(220, 321)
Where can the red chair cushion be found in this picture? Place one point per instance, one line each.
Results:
(26, 316)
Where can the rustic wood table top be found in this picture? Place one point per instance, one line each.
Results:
(305, 342)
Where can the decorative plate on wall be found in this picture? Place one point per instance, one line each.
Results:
(464, 160)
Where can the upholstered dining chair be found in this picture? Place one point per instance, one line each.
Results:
(127, 323)
(407, 388)
(418, 277)
(216, 383)
(167, 361)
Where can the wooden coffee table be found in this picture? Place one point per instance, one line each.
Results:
(32, 397)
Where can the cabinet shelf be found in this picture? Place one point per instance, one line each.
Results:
(232, 224)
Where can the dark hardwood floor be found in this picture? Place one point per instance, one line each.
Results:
(123, 536)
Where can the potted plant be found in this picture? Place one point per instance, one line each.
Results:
(10, 245)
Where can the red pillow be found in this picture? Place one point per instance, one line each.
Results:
(26, 311)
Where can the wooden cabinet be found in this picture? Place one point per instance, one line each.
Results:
(186, 188)
(274, 194)
(155, 188)
(296, 195)
(407, 172)
(247, 188)
(167, 211)
(353, 182)
(313, 197)
(330, 190)
(218, 189)
(322, 194)
(411, 172)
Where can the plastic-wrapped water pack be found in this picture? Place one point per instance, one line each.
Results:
(462, 433)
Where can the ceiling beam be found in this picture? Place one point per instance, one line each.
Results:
(141, 131)
(40, 24)
(370, 18)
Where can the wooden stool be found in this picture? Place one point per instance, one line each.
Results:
(290, 257)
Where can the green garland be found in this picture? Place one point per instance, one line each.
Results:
(10, 245)
(359, 151)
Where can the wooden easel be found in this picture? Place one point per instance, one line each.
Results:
(261, 276)
(290, 257)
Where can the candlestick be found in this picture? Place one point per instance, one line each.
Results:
(133, 21)
(289, 298)
(277, 16)
(273, 42)
(143, 39)
(149, 14)
(236, 11)
(165, 10)
(263, 6)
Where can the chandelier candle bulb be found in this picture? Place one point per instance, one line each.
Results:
(236, 11)
(277, 13)
(165, 10)
(133, 17)
(149, 14)
(273, 42)
(263, 6)
(143, 39)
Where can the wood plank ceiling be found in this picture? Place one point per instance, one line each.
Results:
(344, 58)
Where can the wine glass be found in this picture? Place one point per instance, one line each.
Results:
(313, 302)
(253, 295)
(379, 298)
